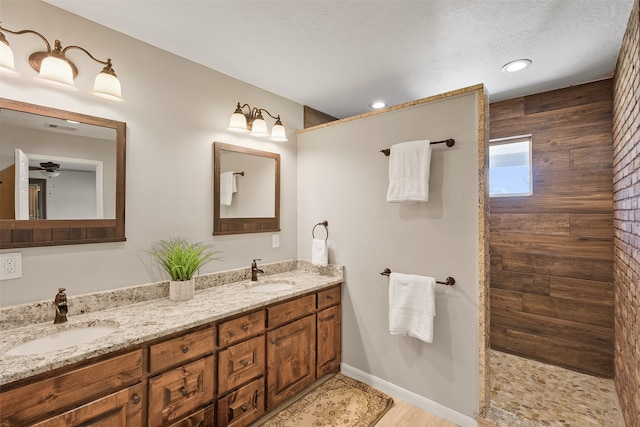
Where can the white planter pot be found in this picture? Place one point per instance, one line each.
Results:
(181, 291)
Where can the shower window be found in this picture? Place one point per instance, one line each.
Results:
(510, 167)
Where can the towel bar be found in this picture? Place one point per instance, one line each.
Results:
(449, 142)
(450, 281)
(239, 173)
(325, 223)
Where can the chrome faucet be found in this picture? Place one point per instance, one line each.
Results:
(60, 303)
(255, 270)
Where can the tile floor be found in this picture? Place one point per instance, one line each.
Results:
(526, 393)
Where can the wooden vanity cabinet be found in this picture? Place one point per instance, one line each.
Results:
(227, 374)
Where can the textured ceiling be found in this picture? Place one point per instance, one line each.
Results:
(339, 56)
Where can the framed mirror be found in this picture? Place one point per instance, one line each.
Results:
(62, 177)
(246, 190)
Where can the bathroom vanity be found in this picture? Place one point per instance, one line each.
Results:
(232, 354)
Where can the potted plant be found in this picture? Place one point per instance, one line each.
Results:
(181, 259)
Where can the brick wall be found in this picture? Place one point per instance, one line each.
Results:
(626, 184)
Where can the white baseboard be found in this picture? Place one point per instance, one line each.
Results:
(409, 397)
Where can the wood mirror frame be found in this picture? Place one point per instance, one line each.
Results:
(45, 232)
(243, 225)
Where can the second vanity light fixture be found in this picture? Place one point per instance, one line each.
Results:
(55, 69)
(253, 122)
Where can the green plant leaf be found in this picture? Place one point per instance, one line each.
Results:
(181, 258)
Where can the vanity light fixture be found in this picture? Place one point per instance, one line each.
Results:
(55, 69)
(517, 65)
(253, 122)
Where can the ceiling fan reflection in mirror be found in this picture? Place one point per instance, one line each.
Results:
(52, 170)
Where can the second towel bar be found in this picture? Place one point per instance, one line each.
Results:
(449, 281)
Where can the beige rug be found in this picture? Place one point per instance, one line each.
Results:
(339, 401)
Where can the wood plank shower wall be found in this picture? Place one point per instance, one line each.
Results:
(552, 252)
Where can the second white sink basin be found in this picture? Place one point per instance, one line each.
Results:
(273, 286)
(61, 340)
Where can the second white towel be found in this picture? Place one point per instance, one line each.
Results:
(412, 305)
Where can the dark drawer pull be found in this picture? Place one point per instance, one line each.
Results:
(185, 349)
(244, 408)
(245, 327)
(136, 399)
(329, 297)
(184, 391)
(244, 363)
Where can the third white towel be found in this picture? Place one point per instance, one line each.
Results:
(319, 252)
(412, 305)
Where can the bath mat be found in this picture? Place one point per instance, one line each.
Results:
(339, 401)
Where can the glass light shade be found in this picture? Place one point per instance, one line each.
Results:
(107, 86)
(7, 67)
(259, 128)
(238, 123)
(278, 133)
(56, 72)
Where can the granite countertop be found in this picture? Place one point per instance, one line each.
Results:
(147, 320)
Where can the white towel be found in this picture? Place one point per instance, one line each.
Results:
(319, 252)
(227, 187)
(409, 166)
(412, 305)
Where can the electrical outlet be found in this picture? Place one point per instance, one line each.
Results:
(275, 240)
(10, 266)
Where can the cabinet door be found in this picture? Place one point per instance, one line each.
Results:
(174, 394)
(120, 409)
(291, 359)
(329, 341)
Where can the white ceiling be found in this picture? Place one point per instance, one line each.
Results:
(339, 56)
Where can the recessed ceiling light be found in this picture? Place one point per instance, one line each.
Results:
(517, 65)
(378, 104)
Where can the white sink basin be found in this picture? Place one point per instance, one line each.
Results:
(273, 286)
(61, 340)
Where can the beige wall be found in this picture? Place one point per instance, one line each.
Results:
(342, 178)
(174, 110)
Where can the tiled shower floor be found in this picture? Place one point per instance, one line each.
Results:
(526, 393)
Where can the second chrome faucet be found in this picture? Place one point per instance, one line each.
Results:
(255, 270)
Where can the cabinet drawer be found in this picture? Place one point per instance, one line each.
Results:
(240, 363)
(180, 391)
(41, 399)
(238, 329)
(181, 349)
(329, 297)
(287, 311)
(121, 409)
(202, 418)
(243, 406)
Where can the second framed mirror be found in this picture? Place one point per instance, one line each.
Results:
(246, 190)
